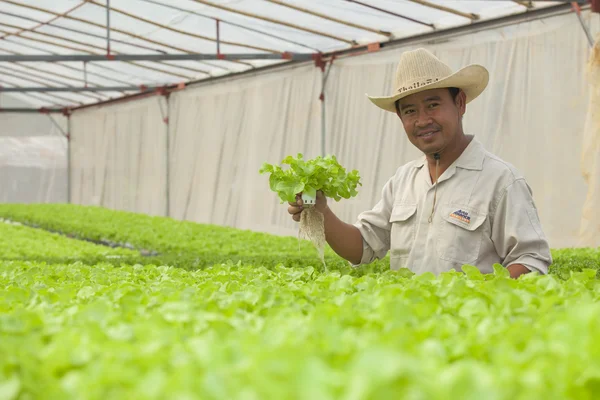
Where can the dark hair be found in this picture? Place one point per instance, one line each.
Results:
(453, 92)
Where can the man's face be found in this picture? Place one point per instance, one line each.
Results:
(432, 119)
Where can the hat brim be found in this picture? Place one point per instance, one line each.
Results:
(472, 79)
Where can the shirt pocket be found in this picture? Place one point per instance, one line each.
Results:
(403, 224)
(461, 233)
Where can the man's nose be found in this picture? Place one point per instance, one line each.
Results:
(423, 120)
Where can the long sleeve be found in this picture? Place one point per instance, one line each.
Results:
(516, 229)
(375, 226)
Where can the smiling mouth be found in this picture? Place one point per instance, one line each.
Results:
(426, 134)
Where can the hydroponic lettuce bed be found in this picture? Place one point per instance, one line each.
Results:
(84, 321)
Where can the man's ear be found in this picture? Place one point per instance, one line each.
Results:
(461, 102)
(397, 108)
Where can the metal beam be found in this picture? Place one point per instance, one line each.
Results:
(91, 53)
(152, 57)
(32, 79)
(26, 110)
(273, 20)
(184, 32)
(245, 27)
(391, 13)
(417, 39)
(23, 89)
(420, 38)
(66, 66)
(108, 27)
(429, 4)
(124, 32)
(331, 18)
(82, 32)
(474, 27)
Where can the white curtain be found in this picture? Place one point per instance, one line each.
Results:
(33, 156)
(221, 134)
(532, 115)
(118, 157)
(590, 160)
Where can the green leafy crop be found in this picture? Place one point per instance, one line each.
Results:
(308, 176)
(192, 245)
(23, 243)
(231, 331)
(256, 329)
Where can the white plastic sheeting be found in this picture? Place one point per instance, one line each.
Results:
(33, 156)
(222, 133)
(33, 169)
(532, 115)
(36, 124)
(590, 160)
(118, 156)
(156, 26)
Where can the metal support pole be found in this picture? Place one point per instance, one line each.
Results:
(218, 39)
(69, 196)
(324, 75)
(165, 116)
(577, 10)
(167, 161)
(65, 134)
(85, 80)
(68, 137)
(323, 119)
(108, 28)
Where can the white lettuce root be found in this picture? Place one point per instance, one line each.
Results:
(312, 227)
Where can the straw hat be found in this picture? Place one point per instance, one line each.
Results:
(420, 70)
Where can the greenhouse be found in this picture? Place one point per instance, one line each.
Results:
(145, 253)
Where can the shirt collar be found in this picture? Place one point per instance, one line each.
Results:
(471, 158)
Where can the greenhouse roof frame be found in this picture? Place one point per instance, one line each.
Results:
(176, 54)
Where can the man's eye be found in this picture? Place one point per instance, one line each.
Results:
(410, 111)
(432, 105)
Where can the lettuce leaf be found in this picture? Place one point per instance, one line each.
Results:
(321, 173)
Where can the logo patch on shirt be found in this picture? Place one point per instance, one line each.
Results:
(462, 216)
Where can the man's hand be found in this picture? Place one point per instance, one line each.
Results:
(345, 239)
(295, 209)
(517, 270)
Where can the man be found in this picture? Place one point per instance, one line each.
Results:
(456, 205)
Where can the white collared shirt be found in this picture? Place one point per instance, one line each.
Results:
(484, 214)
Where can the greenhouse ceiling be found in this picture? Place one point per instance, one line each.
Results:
(64, 54)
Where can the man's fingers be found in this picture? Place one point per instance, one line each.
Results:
(294, 209)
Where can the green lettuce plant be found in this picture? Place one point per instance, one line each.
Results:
(242, 331)
(309, 176)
